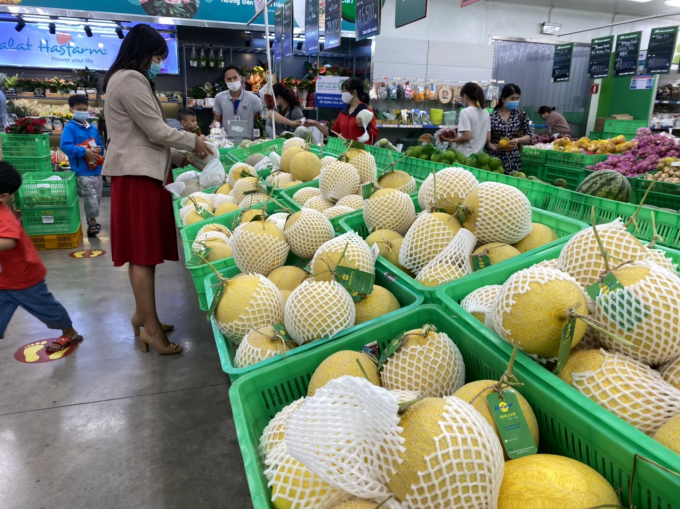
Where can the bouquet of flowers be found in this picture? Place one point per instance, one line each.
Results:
(27, 126)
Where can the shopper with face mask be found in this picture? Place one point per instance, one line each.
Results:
(349, 124)
(235, 103)
(508, 122)
(289, 113)
(556, 121)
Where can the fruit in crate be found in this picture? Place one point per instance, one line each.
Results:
(608, 184)
(343, 363)
(669, 434)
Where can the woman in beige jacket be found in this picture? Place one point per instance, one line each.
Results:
(140, 153)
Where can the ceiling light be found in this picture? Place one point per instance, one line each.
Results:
(88, 30)
(673, 3)
(20, 24)
(640, 1)
(551, 28)
(119, 32)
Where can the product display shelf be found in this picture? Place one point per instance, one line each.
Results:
(563, 227)
(58, 240)
(406, 296)
(52, 220)
(37, 191)
(177, 205)
(25, 146)
(239, 155)
(569, 423)
(663, 194)
(578, 206)
(188, 235)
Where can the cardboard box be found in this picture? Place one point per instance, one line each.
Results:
(623, 117)
(599, 124)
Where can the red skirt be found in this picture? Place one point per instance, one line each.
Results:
(142, 222)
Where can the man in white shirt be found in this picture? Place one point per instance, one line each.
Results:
(236, 103)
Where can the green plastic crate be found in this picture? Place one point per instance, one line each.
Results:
(578, 206)
(406, 296)
(573, 176)
(575, 161)
(419, 169)
(188, 235)
(664, 194)
(239, 155)
(36, 191)
(335, 144)
(534, 155)
(53, 220)
(383, 157)
(595, 136)
(26, 165)
(177, 204)
(569, 423)
(25, 145)
(564, 228)
(624, 126)
(532, 169)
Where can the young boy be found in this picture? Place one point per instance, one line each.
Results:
(89, 181)
(187, 118)
(22, 274)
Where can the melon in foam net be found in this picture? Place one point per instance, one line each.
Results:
(259, 247)
(428, 236)
(389, 209)
(452, 187)
(306, 231)
(259, 345)
(347, 250)
(338, 180)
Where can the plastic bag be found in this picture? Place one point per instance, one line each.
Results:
(98, 160)
(213, 154)
(212, 175)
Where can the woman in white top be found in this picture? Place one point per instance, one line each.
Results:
(474, 126)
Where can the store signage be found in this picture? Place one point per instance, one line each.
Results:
(333, 18)
(600, 57)
(562, 62)
(465, 3)
(311, 26)
(661, 49)
(642, 82)
(627, 54)
(288, 29)
(329, 91)
(409, 11)
(259, 5)
(595, 89)
(278, 34)
(34, 46)
(368, 18)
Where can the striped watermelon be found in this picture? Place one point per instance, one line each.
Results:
(607, 184)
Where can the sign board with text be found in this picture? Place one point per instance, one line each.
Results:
(600, 57)
(409, 11)
(329, 91)
(278, 34)
(627, 53)
(661, 49)
(368, 18)
(333, 21)
(288, 29)
(311, 26)
(562, 62)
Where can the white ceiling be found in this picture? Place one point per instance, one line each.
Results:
(608, 6)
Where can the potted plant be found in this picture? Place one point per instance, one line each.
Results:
(86, 81)
(27, 126)
(11, 84)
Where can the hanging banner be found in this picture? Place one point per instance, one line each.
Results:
(409, 11)
(562, 62)
(332, 31)
(311, 26)
(368, 18)
(329, 91)
(661, 49)
(600, 57)
(627, 54)
(288, 29)
(278, 34)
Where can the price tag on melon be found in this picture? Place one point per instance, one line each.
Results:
(216, 300)
(480, 262)
(367, 190)
(281, 331)
(372, 350)
(620, 305)
(197, 258)
(391, 347)
(355, 280)
(375, 251)
(204, 213)
(565, 345)
(608, 285)
(512, 424)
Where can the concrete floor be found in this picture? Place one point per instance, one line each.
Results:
(110, 426)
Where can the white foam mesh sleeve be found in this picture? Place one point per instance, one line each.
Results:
(241, 187)
(275, 431)
(306, 193)
(318, 203)
(353, 201)
(202, 238)
(188, 175)
(318, 309)
(328, 161)
(253, 199)
(338, 180)
(466, 469)
(277, 181)
(425, 239)
(220, 199)
(337, 210)
(357, 253)
(279, 219)
(257, 252)
(631, 390)
(214, 227)
(185, 211)
(239, 169)
(453, 185)
(292, 142)
(311, 230)
(452, 263)
(504, 214)
(481, 300)
(366, 167)
(348, 434)
(247, 354)
(659, 257)
(670, 372)
(208, 198)
(393, 211)
(652, 307)
(434, 369)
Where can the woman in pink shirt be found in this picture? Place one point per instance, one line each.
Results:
(556, 121)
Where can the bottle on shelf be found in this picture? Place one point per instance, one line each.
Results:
(202, 60)
(220, 59)
(193, 59)
(211, 58)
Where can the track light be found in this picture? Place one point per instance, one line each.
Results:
(299, 46)
(119, 32)
(53, 28)
(88, 30)
(248, 38)
(20, 24)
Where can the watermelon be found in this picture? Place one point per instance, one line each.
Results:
(607, 184)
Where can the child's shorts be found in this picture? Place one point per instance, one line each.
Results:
(38, 301)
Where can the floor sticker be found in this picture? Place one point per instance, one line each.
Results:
(87, 253)
(35, 353)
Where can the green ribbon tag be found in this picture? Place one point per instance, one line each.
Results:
(281, 331)
(197, 259)
(205, 214)
(620, 305)
(355, 280)
(480, 262)
(372, 350)
(308, 268)
(391, 347)
(356, 296)
(367, 190)
(512, 425)
(565, 345)
(216, 300)
(264, 173)
(357, 145)
(606, 286)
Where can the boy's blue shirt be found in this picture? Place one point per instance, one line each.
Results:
(75, 133)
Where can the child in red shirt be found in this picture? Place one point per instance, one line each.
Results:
(22, 273)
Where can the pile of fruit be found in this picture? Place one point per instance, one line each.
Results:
(585, 145)
(668, 171)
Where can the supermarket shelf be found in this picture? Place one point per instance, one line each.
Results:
(667, 102)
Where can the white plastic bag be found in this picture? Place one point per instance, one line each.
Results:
(212, 175)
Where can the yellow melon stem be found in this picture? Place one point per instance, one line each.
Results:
(363, 371)
(462, 212)
(633, 218)
(390, 168)
(655, 237)
(385, 501)
(273, 339)
(590, 322)
(603, 251)
(332, 270)
(506, 381)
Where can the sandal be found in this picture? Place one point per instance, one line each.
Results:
(92, 230)
(62, 343)
(99, 227)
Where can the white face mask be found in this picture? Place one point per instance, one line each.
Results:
(347, 97)
(234, 86)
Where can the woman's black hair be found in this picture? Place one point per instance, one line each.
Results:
(231, 67)
(508, 90)
(140, 45)
(474, 92)
(356, 85)
(545, 109)
(10, 178)
(288, 95)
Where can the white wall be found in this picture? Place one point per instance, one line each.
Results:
(453, 43)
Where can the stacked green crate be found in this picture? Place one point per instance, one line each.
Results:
(49, 207)
(27, 152)
(568, 166)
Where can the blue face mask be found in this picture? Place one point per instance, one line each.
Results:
(512, 105)
(81, 116)
(154, 71)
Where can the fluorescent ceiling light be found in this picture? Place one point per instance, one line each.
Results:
(640, 1)
(673, 3)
